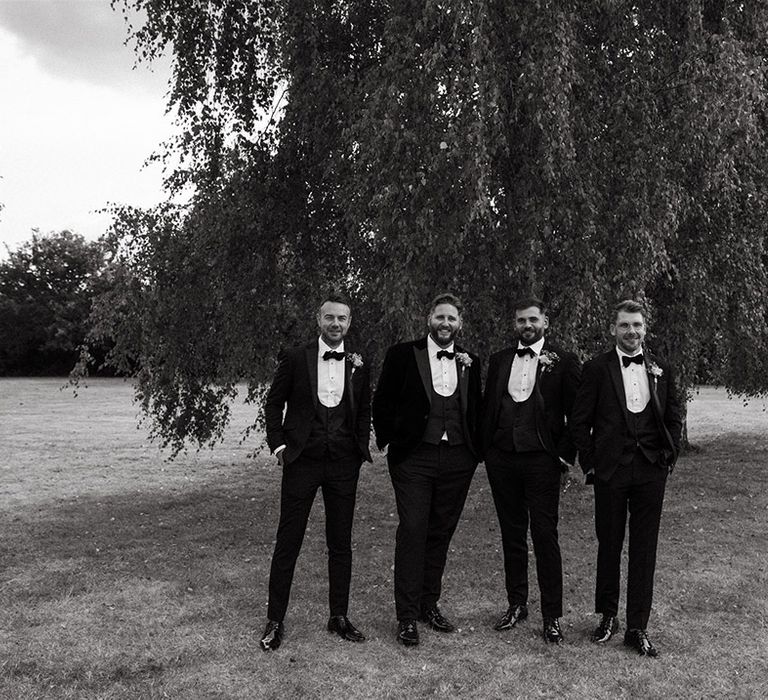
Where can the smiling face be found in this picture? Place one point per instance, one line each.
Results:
(629, 331)
(333, 319)
(530, 324)
(444, 323)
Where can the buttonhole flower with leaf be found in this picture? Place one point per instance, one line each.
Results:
(548, 360)
(355, 359)
(464, 360)
(654, 370)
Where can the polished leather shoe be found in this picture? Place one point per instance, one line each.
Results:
(608, 626)
(273, 636)
(407, 633)
(515, 614)
(341, 625)
(638, 640)
(434, 618)
(552, 632)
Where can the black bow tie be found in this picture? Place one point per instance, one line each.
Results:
(522, 352)
(627, 361)
(332, 355)
(444, 353)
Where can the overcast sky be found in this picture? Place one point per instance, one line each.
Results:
(77, 121)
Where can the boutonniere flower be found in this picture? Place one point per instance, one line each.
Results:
(355, 359)
(464, 360)
(654, 370)
(548, 360)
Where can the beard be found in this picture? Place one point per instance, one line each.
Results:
(442, 338)
(530, 336)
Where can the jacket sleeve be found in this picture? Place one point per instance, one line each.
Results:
(364, 408)
(583, 416)
(673, 412)
(386, 396)
(486, 408)
(277, 397)
(476, 391)
(571, 381)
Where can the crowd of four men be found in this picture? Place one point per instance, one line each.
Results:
(620, 413)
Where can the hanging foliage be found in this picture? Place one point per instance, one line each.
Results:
(582, 151)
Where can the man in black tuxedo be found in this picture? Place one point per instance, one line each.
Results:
(527, 404)
(425, 408)
(320, 443)
(626, 426)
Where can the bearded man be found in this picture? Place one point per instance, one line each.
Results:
(425, 410)
(527, 445)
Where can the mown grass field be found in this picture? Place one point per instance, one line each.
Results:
(124, 575)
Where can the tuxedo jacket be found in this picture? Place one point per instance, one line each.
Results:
(295, 386)
(553, 395)
(601, 418)
(403, 397)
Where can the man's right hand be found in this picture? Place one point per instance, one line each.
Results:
(279, 454)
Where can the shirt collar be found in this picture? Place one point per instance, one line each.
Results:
(536, 347)
(621, 353)
(322, 347)
(433, 347)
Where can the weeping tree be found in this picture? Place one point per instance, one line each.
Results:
(581, 151)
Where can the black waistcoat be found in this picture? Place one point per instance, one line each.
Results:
(444, 418)
(516, 430)
(643, 435)
(331, 435)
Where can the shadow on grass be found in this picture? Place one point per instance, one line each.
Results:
(142, 595)
(212, 537)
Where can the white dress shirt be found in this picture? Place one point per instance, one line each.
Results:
(635, 378)
(444, 375)
(330, 376)
(522, 375)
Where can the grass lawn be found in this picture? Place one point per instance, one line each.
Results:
(125, 575)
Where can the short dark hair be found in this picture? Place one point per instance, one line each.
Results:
(446, 298)
(527, 302)
(335, 297)
(629, 306)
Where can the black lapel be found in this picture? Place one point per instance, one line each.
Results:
(652, 385)
(463, 374)
(539, 366)
(656, 401)
(539, 406)
(422, 362)
(505, 367)
(348, 372)
(612, 358)
(311, 354)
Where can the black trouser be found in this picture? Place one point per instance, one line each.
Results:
(301, 479)
(526, 486)
(430, 485)
(637, 489)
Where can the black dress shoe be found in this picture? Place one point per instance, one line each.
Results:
(515, 614)
(407, 633)
(434, 618)
(341, 625)
(608, 626)
(638, 640)
(552, 631)
(273, 636)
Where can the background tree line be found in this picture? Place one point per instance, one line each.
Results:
(582, 151)
(47, 286)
